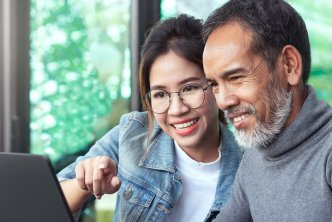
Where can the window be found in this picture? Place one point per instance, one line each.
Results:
(80, 79)
(80, 73)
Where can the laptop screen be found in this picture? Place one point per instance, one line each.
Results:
(30, 191)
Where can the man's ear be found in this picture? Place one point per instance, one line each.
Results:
(292, 64)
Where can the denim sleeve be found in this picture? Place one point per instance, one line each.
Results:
(108, 145)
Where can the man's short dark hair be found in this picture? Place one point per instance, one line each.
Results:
(273, 23)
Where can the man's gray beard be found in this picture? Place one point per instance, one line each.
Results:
(265, 132)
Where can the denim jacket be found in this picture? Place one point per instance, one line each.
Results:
(151, 185)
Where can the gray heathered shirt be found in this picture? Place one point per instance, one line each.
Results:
(291, 180)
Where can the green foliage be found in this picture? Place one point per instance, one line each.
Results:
(104, 215)
(67, 96)
(318, 18)
(322, 84)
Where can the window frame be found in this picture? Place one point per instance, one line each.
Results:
(14, 76)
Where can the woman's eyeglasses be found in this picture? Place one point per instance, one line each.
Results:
(191, 95)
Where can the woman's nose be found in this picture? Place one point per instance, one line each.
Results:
(176, 105)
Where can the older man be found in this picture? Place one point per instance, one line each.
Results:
(257, 60)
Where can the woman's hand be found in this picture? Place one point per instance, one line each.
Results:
(98, 176)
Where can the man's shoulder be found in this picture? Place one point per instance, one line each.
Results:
(325, 132)
(250, 155)
(329, 134)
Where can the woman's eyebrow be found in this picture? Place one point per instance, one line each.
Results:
(182, 82)
(157, 87)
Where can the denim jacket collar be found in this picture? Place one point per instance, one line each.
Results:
(160, 156)
(230, 155)
(160, 152)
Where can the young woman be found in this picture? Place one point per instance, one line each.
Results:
(175, 162)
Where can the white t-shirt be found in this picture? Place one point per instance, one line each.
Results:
(199, 183)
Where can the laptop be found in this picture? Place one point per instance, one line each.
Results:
(30, 191)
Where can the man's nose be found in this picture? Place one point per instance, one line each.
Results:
(225, 98)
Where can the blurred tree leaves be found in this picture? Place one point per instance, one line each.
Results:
(318, 18)
(77, 68)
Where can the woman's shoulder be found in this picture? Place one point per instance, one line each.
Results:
(141, 118)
